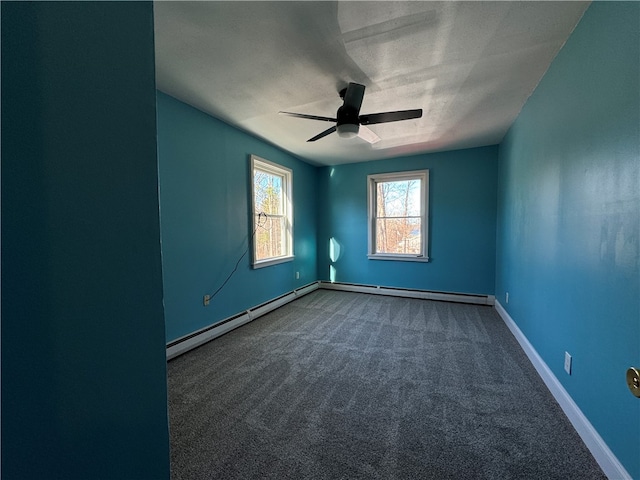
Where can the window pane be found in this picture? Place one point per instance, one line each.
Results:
(272, 211)
(398, 199)
(268, 193)
(269, 236)
(398, 235)
(398, 216)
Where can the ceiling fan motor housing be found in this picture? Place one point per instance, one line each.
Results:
(347, 122)
(347, 115)
(348, 118)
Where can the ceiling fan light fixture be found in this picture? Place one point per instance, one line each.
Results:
(348, 118)
(348, 130)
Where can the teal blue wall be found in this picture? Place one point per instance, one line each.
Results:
(462, 213)
(205, 217)
(83, 348)
(568, 220)
(83, 334)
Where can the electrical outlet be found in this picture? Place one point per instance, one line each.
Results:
(206, 299)
(297, 275)
(506, 297)
(567, 363)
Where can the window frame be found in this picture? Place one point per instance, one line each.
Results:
(372, 182)
(258, 163)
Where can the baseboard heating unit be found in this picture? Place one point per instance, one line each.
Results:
(206, 334)
(411, 293)
(184, 344)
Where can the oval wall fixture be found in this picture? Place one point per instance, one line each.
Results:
(633, 381)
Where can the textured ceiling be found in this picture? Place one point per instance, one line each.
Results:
(469, 65)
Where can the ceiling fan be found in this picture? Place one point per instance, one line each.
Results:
(349, 122)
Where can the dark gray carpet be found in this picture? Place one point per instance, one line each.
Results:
(340, 385)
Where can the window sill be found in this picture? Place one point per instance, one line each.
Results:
(272, 261)
(400, 258)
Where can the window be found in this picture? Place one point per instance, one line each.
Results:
(398, 206)
(272, 213)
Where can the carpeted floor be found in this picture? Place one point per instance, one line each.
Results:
(340, 385)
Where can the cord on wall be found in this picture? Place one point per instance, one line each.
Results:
(262, 220)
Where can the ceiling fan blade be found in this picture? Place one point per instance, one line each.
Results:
(390, 116)
(310, 117)
(368, 135)
(353, 97)
(323, 134)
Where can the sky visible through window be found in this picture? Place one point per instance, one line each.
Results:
(268, 192)
(398, 212)
(269, 228)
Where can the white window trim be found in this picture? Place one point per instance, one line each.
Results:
(372, 180)
(287, 189)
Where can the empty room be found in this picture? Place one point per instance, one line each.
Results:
(376, 240)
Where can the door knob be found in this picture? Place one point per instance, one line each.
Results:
(633, 381)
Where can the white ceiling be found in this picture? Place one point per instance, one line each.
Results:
(469, 65)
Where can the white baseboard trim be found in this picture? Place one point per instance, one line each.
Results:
(188, 342)
(610, 465)
(410, 293)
